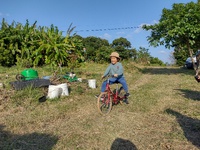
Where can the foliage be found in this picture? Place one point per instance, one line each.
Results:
(178, 27)
(122, 45)
(26, 45)
(31, 45)
(121, 42)
(56, 50)
(132, 54)
(143, 56)
(156, 61)
(75, 54)
(9, 45)
(98, 50)
(180, 54)
(93, 46)
(103, 54)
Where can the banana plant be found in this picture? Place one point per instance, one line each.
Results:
(54, 49)
(8, 46)
(50, 50)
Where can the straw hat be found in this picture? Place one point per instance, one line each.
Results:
(115, 54)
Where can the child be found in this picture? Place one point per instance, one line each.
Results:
(115, 69)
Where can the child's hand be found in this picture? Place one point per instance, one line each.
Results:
(116, 75)
(102, 77)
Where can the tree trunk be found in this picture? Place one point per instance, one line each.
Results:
(191, 56)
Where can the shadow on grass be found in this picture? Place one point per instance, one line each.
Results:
(33, 141)
(122, 144)
(194, 95)
(165, 70)
(190, 127)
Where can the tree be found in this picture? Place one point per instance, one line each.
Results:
(178, 27)
(143, 56)
(92, 45)
(121, 42)
(156, 61)
(180, 54)
(103, 54)
(122, 45)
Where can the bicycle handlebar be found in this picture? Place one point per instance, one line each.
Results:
(108, 76)
(112, 76)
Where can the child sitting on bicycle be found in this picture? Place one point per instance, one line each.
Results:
(115, 70)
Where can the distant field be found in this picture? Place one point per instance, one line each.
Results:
(163, 114)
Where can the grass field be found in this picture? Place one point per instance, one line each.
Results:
(163, 114)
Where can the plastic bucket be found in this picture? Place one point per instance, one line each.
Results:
(54, 91)
(92, 83)
(64, 88)
(29, 74)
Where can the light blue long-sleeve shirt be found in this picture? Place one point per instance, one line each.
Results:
(114, 69)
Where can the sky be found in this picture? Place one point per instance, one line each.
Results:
(107, 19)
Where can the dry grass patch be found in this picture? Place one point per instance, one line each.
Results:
(163, 113)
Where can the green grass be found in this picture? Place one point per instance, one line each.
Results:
(163, 112)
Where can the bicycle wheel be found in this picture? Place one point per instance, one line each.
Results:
(104, 103)
(19, 77)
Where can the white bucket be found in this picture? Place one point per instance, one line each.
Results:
(92, 83)
(64, 88)
(54, 91)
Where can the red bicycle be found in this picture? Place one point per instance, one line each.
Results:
(109, 98)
